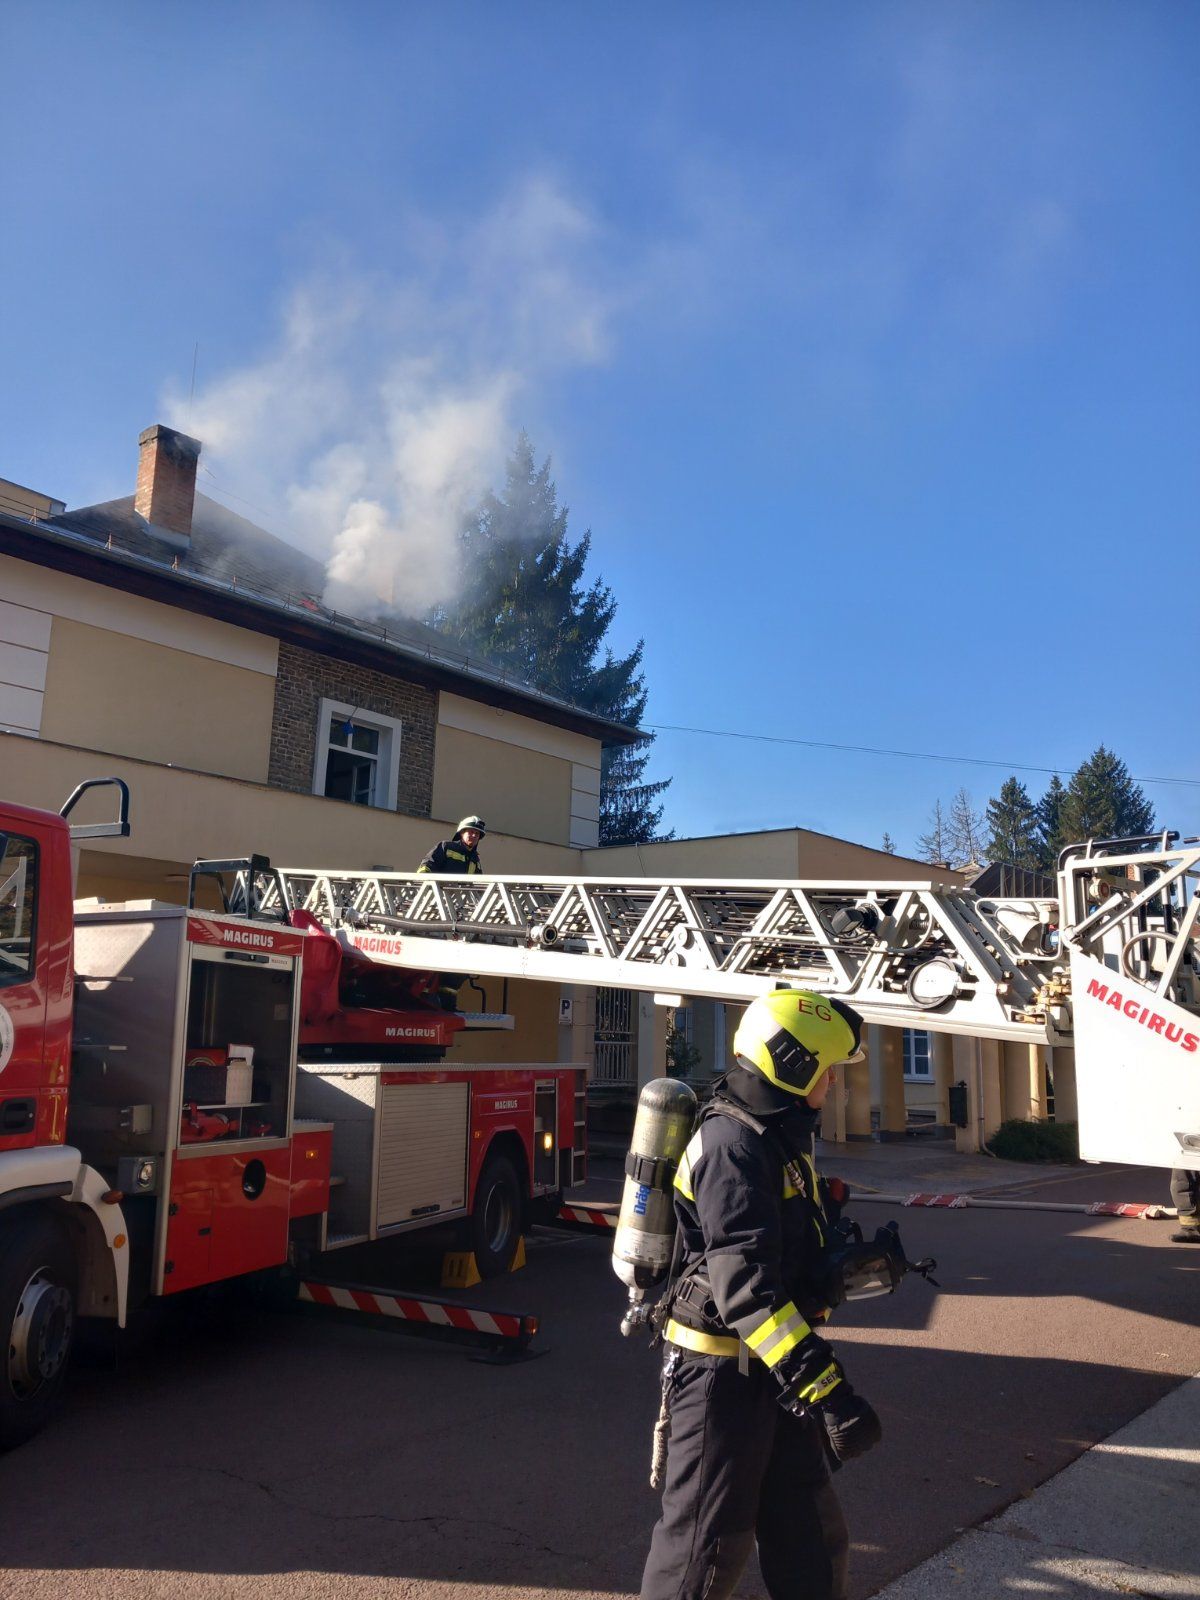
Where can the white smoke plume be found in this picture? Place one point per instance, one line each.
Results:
(388, 404)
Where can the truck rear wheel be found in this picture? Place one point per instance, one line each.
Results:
(496, 1217)
(37, 1320)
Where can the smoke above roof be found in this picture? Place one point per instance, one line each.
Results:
(386, 404)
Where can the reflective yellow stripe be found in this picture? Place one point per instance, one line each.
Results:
(683, 1177)
(817, 1390)
(706, 1344)
(771, 1325)
(788, 1337)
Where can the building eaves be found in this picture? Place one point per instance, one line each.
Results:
(143, 563)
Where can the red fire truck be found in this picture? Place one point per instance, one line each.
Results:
(188, 1096)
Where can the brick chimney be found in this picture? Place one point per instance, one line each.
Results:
(166, 480)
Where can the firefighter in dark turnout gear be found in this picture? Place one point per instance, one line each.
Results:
(758, 1402)
(461, 855)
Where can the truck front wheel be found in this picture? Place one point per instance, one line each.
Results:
(496, 1217)
(37, 1321)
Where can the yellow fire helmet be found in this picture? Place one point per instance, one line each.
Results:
(793, 1036)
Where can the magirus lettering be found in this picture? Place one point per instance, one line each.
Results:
(248, 936)
(1145, 1016)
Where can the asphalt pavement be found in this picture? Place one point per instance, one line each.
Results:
(1123, 1519)
(248, 1453)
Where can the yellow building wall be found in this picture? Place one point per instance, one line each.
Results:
(522, 776)
(534, 1037)
(515, 790)
(178, 816)
(19, 501)
(106, 691)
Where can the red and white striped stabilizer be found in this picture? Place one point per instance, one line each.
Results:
(1114, 1208)
(444, 1314)
(960, 1202)
(587, 1217)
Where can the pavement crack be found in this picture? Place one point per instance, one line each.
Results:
(437, 1522)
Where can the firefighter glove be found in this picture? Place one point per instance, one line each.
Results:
(851, 1425)
(807, 1375)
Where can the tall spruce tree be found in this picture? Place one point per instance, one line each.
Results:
(526, 604)
(1012, 823)
(1103, 802)
(1049, 823)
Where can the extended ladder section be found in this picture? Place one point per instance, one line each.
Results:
(1112, 965)
(922, 955)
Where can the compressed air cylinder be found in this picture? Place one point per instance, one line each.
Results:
(645, 1234)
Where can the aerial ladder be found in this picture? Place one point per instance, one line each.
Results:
(1110, 966)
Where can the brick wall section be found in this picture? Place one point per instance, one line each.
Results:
(306, 678)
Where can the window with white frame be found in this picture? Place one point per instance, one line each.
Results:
(358, 756)
(918, 1055)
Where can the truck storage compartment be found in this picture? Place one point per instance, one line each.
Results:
(422, 1150)
(228, 1215)
(399, 1149)
(237, 1048)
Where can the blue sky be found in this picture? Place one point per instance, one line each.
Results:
(864, 338)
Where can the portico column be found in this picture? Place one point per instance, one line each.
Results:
(886, 1058)
(942, 1057)
(651, 1040)
(856, 1096)
(1037, 1081)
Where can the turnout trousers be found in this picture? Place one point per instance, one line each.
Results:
(741, 1471)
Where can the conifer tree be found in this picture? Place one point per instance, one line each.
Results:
(1103, 802)
(889, 845)
(1049, 823)
(526, 605)
(1012, 823)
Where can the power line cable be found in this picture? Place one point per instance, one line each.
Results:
(229, 495)
(910, 755)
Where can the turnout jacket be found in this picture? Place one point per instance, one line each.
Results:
(751, 1238)
(451, 855)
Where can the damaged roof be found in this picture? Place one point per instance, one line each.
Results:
(230, 568)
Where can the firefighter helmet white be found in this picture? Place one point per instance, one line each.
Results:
(477, 823)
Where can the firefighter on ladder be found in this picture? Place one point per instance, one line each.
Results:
(459, 854)
(757, 1399)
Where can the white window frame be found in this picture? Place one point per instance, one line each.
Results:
(910, 1055)
(387, 786)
